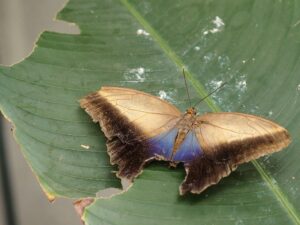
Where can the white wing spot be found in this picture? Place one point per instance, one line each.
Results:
(298, 87)
(197, 48)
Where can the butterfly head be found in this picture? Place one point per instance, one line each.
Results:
(191, 111)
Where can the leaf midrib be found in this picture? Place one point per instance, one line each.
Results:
(273, 186)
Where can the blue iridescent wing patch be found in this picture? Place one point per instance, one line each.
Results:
(163, 143)
(189, 149)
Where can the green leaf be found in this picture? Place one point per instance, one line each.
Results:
(253, 45)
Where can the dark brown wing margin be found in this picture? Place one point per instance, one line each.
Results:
(220, 160)
(124, 146)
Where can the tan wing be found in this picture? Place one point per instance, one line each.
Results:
(151, 114)
(227, 140)
(239, 137)
(128, 118)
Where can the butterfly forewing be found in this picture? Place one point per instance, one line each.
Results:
(242, 137)
(152, 114)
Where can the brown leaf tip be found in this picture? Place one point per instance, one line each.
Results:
(81, 204)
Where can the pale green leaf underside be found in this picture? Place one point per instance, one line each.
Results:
(256, 51)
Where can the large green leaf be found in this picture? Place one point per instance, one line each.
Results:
(254, 45)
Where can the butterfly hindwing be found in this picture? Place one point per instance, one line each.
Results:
(161, 145)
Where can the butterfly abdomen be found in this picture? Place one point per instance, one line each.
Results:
(178, 144)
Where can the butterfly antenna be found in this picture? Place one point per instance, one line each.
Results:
(217, 89)
(186, 87)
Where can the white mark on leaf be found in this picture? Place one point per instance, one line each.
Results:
(274, 181)
(206, 58)
(139, 70)
(136, 75)
(239, 222)
(209, 57)
(218, 22)
(197, 48)
(294, 190)
(296, 24)
(255, 110)
(224, 62)
(85, 146)
(298, 87)
(166, 95)
(162, 94)
(215, 84)
(142, 32)
(241, 85)
(219, 26)
(214, 30)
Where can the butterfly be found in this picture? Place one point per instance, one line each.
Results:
(140, 127)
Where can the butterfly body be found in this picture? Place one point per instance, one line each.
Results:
(180, 144)
(140, 128)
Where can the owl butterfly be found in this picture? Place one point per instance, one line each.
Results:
(140, 128)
